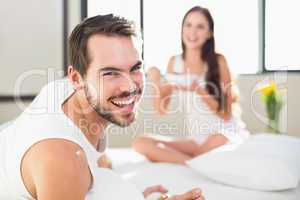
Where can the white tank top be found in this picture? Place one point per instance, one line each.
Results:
(180, 77)
(200, 120)
(43, 119)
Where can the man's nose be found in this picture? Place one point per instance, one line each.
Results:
(127, 84)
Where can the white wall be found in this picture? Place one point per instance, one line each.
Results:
(290, 112)
(31, 37)
(31, 41)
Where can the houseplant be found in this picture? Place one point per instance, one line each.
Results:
(273, 104)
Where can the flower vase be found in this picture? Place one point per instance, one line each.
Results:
(273, 126)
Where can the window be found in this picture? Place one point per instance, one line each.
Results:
(282, 36)
(237, 31)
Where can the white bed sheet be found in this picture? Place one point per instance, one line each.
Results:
(178, 179)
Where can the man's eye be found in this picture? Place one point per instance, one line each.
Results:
(136, 68)
(111, 74)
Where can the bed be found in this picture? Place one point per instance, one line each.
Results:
(136, 169)
(178, 179)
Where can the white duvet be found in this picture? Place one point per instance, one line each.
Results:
(135, 169)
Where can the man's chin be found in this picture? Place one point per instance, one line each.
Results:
(125, 121)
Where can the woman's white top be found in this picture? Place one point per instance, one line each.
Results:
(200, 120)
(44, 119)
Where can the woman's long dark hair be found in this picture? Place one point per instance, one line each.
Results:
(209, 55)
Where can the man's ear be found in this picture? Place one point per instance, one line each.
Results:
(75, 78)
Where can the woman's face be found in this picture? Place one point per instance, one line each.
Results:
(195, 30)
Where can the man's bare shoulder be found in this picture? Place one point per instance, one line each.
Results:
(55, 166)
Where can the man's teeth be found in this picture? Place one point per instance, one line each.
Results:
(122, 103)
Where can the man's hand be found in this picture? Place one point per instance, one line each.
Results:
(195, 194)
(104, 162)
(154, 189)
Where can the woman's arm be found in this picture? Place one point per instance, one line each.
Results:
(163, 90)
(208, 99)
(225, 82)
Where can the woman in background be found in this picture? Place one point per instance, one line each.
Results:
(201, 76)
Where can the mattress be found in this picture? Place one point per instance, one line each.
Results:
(178, 179)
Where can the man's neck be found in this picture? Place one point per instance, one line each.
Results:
(89, 122)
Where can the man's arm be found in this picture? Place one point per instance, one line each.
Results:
(56, 169)
(104, 162)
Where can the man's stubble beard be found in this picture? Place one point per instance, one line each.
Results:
(105, 113)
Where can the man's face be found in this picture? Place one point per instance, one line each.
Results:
(114, 78)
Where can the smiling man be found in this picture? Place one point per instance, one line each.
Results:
(50, 152)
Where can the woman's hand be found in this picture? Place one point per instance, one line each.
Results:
(195, 194)
(192, 88)
(157, 188)
(224, 115)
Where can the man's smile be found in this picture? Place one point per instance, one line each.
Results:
(126, 104)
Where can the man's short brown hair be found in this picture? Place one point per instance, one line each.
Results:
(109, 25)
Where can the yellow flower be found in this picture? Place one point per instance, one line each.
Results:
(268, 89)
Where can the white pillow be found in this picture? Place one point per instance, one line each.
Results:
(283, 147)
(246, 170)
